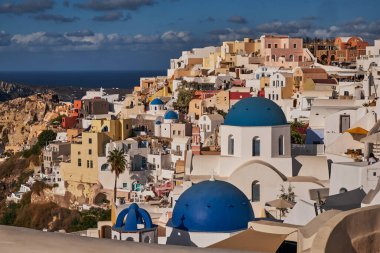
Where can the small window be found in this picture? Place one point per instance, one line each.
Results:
(79, 162)
(90, 151)
(90, 140)
(374, 174)
(255, 191)
(269, 45)
(342, 190)
(231, 144)
(275, 45)
(294, 45)
(88, 163)
(256, 146)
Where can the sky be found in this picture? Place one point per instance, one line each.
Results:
(146, 34)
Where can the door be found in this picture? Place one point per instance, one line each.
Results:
(344, 122)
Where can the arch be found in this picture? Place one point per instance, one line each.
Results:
(281, 145)
(115, 237)
(130, 239)
(105, 129)
(100, 198)
(282, 176)
(105, 167)
(342, 190)
(147, 239)
(231, 145)
(256, 146)
(255, 191)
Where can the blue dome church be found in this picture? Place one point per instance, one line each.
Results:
(208, 212)
(255, 152)
(134, 224)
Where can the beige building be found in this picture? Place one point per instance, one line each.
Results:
(81, 172)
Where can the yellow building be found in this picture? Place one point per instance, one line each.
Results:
(196, 108)
(81, 172)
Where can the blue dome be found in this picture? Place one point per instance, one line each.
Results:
(255, 111)
(212, 206)
(158, 122)
(156, 101)
(129, 218)
(171, 115)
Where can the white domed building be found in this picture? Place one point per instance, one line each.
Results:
(255, 151)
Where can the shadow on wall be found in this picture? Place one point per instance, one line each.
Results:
(180, 237)
(296, 166)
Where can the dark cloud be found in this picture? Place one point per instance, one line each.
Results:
(102, 5)
(287, 28)
(112, 16)
(83, 33)
(56, 18)
(86, 40)
(237, 20)
(26, 6)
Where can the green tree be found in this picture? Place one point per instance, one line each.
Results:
(183, 100)
(45, 137)
(118, 164)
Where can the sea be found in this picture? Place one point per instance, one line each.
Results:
(86, 79)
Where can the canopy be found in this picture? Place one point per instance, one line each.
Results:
(357, 130)
(345, 201)
(373, 138)
(251, 240)
(280, 203)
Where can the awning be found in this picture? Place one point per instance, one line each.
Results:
(373, 138)
(280, 203)
(357, 130)
(345, 201)
(251, 240)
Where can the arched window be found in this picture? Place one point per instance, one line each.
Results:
(342, 190)
(255, 188)
(231, 145)
(281, 145)
(256, 146)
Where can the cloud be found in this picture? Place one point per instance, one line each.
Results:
(82, 33)
(87, 40)
(175, 37)
(101, 5)
(229, 34)
(112, 16)
(237, 20)
(56, 18)
(26, 6)
(289, 28)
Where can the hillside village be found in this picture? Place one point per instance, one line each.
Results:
(259, 131)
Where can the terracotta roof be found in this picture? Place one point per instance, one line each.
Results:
(313, 70)
(325, 81)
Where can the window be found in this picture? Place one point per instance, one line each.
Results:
(255, 191)
(274, 83)
(256, 146)
(269, 97)
(281, 145)
(125, 185)
(91, 164)
(342, 190)
(88, 163)
(276, 96)
(294, 45)
(79, 162)
(90, 151)
(179, 132)
(275, 45)
(231, 144)
(282, 83)
(90, 140)
(173, 132)
(269, 45)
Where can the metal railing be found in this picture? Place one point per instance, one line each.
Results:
(308, 149)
